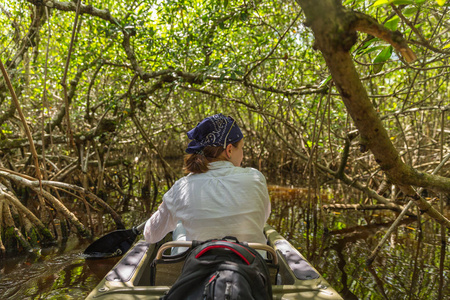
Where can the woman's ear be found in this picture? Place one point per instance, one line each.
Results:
(228, 151)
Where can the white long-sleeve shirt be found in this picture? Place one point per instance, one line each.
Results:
(225, 201)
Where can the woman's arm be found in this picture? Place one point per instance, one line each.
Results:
(159, 224)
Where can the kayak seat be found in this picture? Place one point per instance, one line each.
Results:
(165, 269)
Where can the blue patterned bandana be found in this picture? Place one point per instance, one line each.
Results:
(216, 130)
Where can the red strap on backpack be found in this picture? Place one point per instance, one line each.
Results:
(237, 249)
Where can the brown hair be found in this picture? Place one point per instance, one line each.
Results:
(198, 163)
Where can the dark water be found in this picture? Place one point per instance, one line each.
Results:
(54, 273)
(336, 242)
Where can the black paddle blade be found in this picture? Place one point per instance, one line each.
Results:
(113, 244)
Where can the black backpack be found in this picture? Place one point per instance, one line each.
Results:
(221, 269)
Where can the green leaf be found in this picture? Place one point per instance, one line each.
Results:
(381, 58)
(244, 16)
(222, 76)
(381, 2)
(368, 43)
(325, 81)
(402, 2)
(441, 2)
(384, 55)
(409, 11)
(446, 46)
(369, 50)
(392, 23)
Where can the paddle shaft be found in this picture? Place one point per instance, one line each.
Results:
(140, 227)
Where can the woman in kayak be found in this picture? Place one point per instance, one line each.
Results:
(217, 198)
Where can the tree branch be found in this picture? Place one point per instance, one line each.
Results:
(22, 118)
(364, 23)
(423, 41)
(72, 6)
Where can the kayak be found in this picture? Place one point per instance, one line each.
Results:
(137, 276)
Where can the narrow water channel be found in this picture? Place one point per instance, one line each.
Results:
(336, 242)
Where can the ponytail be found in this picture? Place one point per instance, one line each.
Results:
(198, 162)
(195, 163)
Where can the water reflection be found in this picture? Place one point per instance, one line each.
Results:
(54, 273)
